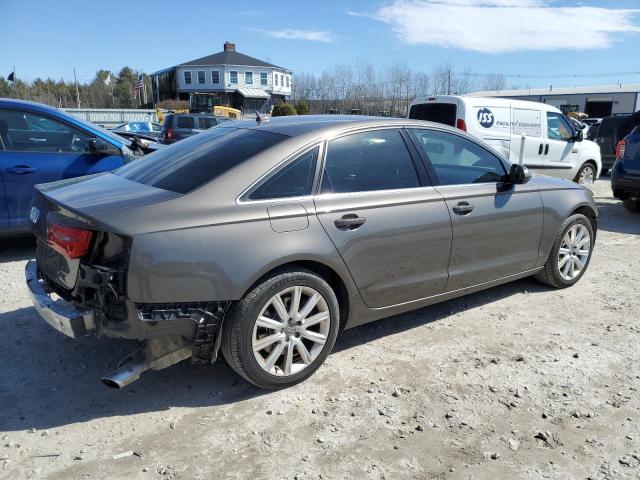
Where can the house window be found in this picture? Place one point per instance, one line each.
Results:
(201, 78)
(187, 77)
(233, 76)
(287, 81)
(263, 78)
(215, 76)
(248, 78)
(275, 77)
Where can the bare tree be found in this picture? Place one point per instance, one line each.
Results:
(494, 82)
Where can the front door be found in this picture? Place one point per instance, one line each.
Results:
(41, 149)
(561, 153)
(4, 215)
(391, 228)
(496, 227)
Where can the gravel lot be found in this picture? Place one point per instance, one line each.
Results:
(519, 381)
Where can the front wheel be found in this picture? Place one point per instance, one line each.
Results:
(570, 254)
(282, 331)
(586, 175)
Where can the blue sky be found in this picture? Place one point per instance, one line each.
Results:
(526, 37)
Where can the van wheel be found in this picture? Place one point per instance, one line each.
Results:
(632, 204)
(570, 254)
(586, 175)
(282, 330)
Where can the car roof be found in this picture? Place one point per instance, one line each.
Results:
(296, 125)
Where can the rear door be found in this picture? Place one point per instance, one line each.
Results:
(41, 149)
(4, 214)
(496, 227)
(391, 227)
(560, 153)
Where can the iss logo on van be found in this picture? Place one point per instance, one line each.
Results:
(485, 117)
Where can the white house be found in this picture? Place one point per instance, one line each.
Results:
(225, 78)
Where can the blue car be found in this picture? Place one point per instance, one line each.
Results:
(40, 144)
(625, 174)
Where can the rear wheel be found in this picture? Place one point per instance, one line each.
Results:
(283, 330)
(570, 254)
(586, 175)
(632, 204)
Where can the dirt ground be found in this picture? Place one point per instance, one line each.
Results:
(519, 381)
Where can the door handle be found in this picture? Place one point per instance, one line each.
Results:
(546, 149)
(22, 169)
(351, 221)
(37, 139)
(540, 149)
(463, 208)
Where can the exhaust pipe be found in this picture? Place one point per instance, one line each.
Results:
(156, 354)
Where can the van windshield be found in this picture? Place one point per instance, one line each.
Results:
(435, 112)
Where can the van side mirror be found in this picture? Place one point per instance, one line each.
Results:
(98, 146)
(519, 174)
(578, 137)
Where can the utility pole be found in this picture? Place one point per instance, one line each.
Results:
(77, 90)
(449, 82)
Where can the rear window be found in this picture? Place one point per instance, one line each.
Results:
(185, 122)
(610, 125)
(189, 164)
(435, 112)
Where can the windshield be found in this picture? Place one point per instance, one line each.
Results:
(189, 164)
(103, 131)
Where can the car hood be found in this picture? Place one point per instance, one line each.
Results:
(96, 195)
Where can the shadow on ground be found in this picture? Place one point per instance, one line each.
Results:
(613, 217)
(17, 248)
(49, 380)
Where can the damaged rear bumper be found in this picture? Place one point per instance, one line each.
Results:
(61, 315)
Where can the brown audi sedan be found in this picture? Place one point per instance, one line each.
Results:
(266, 239)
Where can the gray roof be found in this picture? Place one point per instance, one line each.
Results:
(593, 89)
(230, 58)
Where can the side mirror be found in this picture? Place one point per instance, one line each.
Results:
(98, 146)
(519, 174)
(579, 136)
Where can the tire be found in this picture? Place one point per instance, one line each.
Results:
(588, 171)
(242, 332)
(632, 204)
(551, 273)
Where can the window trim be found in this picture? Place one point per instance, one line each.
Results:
(250, 73)
(266, 78)
(184, 77)
(423, 177)
(218, 74)
(204, 76)
(245, 196)
(429, 165)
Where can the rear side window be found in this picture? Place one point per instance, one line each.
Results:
(435, 112)
(207, 122)
(375, 160)
(199, 159)
(294, 180)
(458, 161)
(185, 122)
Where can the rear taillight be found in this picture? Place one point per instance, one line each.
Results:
(461, 125)
(169, 133)
(72, 242)
(620, 149)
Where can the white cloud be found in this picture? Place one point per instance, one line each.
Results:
(294, 34)
(498, 26)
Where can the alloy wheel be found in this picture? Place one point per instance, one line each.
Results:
(291, 330)
(587, 176)
(574, 251)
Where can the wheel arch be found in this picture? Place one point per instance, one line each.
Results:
(590, 161)
(590, 213)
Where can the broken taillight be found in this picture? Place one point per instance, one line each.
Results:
(72, 242)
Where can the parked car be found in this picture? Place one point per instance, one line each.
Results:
(41, 144)
(178, 126)
(625, 175)
(610, 131)
(148, 129)
(267, 238)
(551, 145)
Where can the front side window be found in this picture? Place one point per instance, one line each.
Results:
(248, 78)
(558, 128)
(197, 160)
(215, 76)
(29, 132)
(294, 180)
(233, 76)
(187, 77)
(457, 160)
(375, 160)
(263, 78)
(201, 77)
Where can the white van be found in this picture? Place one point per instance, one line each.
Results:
(537, 134)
